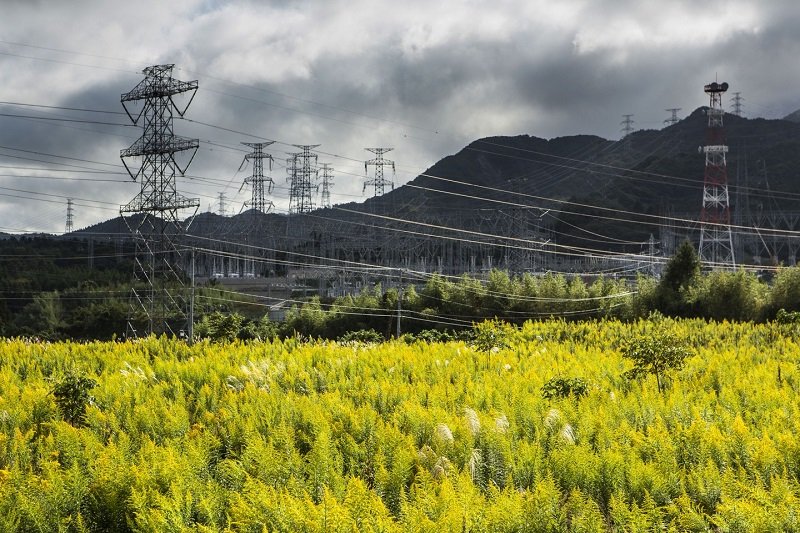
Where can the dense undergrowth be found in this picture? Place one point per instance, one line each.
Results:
(155, 435)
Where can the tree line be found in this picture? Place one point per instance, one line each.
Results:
(52, 300)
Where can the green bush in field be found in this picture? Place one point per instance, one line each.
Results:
(72, 397)
(564, 388)
(657, 354)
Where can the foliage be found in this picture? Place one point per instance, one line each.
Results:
(491, 335)
(787, 317)
(293, 435)
(785, 291)
(362, 336)
(435, 335)
(219, 327)
(730, 296)
(655, 353)
(559, 387)
(72, 397)
(79, 303)
(681, 273)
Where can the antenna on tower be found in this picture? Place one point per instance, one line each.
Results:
(327, 183)
(716, 242)
(736, 103)
(673, 119)
(157, 226)
(258, 180)
(379, 181)
(68, 227)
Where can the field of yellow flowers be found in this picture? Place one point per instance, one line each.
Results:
(155, 435)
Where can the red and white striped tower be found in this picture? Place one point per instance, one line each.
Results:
(716, 242)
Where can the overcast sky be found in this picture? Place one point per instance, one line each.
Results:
(425, 78)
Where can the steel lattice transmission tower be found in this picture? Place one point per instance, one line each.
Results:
(258, 182)
(69, 226)
(627, 125)
(158, 279)
(716, 242)
(302, 167)
(737, 104)
(223, 208)
(379, 181)
(327, 183)
(673, 119)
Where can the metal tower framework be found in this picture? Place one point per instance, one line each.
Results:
(69, 226)
(223, 209)
(716, 242)
(379, 181)
(627, 125)
(327, 183)
(258, 181)
(736, 103)
(157, 296)
(673, 119)
(302, 167)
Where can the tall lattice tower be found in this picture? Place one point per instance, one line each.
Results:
(258, 182)
(673, 119)
(379, 180)
(302, 168)
(327, 183)
(627, 125)
(716, 242)
(69, 226)
(737, 104)
(157, 298)
(223, 207)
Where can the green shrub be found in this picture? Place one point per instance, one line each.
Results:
(362, 336)
(656, 353)
(564, 388)
(72, 397)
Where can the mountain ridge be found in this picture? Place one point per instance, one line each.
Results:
(652, 172)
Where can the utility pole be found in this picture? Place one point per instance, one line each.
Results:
(399, 302)
(651, 253)
(673, 119)
(191, 305)
(716, 242)
(69, 226)
(158, 226)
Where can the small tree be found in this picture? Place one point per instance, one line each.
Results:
(655, 354)
(680, 274)
(491, 335)
(72, 397)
